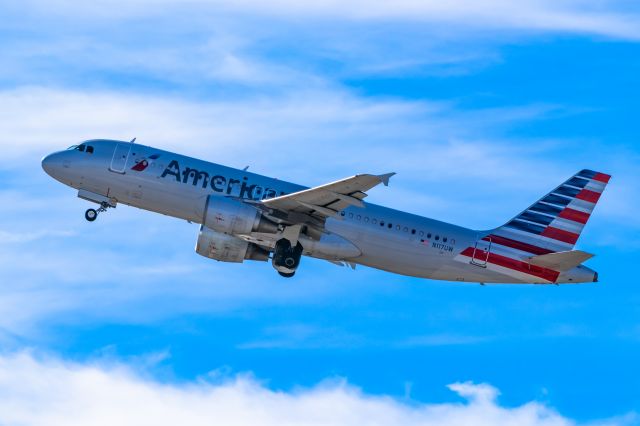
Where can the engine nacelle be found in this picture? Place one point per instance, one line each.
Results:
(227, 248)
(230, 216)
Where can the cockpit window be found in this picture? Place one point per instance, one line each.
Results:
(82, 148)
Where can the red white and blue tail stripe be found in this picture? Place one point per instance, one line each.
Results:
(556, 221)
(553, 224)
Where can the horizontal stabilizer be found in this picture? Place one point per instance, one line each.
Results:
(561, 261)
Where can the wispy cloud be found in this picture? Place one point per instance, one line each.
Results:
(435, 135)
(439, 140)
(304, 336)
(439, 143)
(444, 340)
(36, 390)
(299, 336)
(214, 47)
(608, 18)
(7, 237)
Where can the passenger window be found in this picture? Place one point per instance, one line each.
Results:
(429, 235)
(359, 217)
(350, 215)
(342, 214)
(382, 223)
(413, 232)
(406, 229)
(397, 227)
(366, 219)
(374, 221)
(90, 149)
(390, 226)
(81, 148)
(422, 233)
(444, 240)
(437, 237)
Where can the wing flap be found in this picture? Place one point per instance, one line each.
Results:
(561, 261)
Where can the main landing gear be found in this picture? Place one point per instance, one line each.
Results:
(286, 258)
(92, 214)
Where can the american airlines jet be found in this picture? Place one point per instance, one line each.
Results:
(245, 216)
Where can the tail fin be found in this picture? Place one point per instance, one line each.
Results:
(555, 222)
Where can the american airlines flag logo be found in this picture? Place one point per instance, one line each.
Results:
(142, 164)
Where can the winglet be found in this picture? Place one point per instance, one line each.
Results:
(385, 178)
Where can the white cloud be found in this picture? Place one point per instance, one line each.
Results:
(443, 340)
(325, 135)
(307, 336)
(347, 127)
(44, 391)
(8, 237)
(132, 267)
(609, 18)
(299, 336)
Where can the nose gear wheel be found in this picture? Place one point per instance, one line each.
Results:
(92, 214)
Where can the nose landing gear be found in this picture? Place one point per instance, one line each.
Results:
(92, 214)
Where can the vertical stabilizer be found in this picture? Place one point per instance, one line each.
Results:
(555, 222)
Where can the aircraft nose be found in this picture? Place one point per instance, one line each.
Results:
(51, 164)
(46, 164)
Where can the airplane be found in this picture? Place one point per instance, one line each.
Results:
(246, 216)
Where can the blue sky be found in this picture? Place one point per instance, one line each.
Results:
(480, 107)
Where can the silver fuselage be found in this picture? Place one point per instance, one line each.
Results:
(387, 239)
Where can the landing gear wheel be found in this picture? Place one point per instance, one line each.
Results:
(283, 274)
(91, 215)
(286, 259)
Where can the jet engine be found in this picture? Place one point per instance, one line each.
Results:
(230, 216)
(227, 248)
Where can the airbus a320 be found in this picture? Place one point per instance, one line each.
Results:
(246, 216)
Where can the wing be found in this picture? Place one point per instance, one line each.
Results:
(316, 204)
